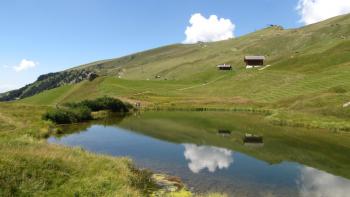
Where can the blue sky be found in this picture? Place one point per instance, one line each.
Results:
(48, 36)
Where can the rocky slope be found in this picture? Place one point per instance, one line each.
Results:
(47, 82)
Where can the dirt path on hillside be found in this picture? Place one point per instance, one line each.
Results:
(140, 93)
(204, 84)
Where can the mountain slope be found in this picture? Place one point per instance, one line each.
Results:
(309, 73)
(184, 61)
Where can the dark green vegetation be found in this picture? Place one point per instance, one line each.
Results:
(81, 111)
(67, 116)
(103, 103)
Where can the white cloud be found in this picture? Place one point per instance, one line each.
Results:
(312, 11)
(208, 29)
(315, 183)
(24, 65)
(209, 157)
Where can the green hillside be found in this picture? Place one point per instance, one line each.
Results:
(308, 76)
(301, 47)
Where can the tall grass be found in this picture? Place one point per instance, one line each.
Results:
(31, 167)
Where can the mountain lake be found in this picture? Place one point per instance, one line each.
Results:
(211, 152)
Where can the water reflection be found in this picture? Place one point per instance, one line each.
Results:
(212, 158)
(165, 142)
(316, 183)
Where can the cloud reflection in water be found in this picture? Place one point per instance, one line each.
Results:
(209, 157)
(315, 183)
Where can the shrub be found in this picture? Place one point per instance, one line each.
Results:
(66, 116)
(104, 103)
(59, 116)
(81, 111)
(115, 105)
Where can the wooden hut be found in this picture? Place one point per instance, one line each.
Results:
(254, 61)
(224, 67)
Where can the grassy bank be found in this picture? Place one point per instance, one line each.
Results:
(31, 167)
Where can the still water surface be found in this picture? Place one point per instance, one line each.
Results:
(209, 162)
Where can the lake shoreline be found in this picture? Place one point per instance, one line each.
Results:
(59, 170)
(112, 137)
(23, 131)
(275, 116)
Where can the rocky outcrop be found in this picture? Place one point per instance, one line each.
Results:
(49, 81)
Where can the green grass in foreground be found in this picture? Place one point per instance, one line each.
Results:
(31, 167)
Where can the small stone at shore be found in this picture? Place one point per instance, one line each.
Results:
(170, 185)
(346, 104)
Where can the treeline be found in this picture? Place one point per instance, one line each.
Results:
(81, 111)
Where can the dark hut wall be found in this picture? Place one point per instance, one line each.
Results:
(225, 68)
(255, 62)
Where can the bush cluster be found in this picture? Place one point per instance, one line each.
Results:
(104, 103)
(69, 115)
(81, 111)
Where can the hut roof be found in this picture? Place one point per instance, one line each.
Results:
(254, 58)
(223, 66)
